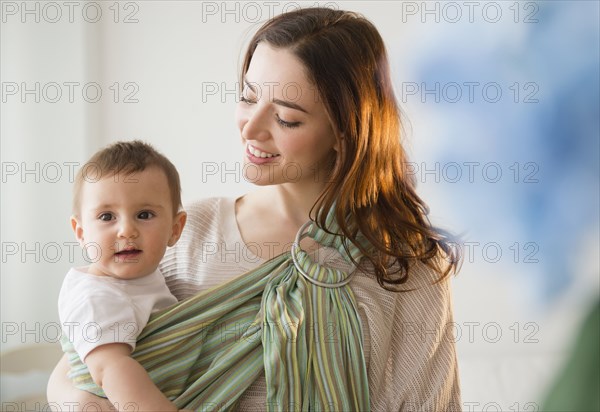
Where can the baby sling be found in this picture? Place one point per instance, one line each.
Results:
(292, 318)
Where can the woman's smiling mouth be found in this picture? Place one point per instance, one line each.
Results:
(258, 156)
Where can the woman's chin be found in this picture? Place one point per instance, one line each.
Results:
(265, 181)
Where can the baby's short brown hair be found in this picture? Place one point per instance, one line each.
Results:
(127, 158)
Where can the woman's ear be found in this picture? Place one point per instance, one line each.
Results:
(178, 225)
(77, 229)
(339, 140)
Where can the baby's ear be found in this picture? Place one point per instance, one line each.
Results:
(178, 225)
(77, 229)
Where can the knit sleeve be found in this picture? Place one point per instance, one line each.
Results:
(422, 364)
(408, 341)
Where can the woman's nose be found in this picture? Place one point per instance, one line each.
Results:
(254, 124)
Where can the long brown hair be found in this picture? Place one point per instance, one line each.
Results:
(370, 187)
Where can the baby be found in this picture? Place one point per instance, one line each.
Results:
(126, 211)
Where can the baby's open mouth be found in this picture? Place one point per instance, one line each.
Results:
(128, 253)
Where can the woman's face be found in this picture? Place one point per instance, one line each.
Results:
(284, 127)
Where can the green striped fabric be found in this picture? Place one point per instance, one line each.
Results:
(205, 351)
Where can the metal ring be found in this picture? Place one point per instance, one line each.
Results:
(296, 245)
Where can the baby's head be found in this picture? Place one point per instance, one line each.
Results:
(126, 209)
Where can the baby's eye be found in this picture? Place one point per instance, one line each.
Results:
(145, 215)
(105, 217)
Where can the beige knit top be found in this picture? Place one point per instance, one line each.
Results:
(408, 340)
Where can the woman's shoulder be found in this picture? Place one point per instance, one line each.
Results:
(208, 213)
(423, 289)
(207, 206)
(420, 275)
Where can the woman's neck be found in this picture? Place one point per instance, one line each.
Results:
(270, 217)
(289, 202)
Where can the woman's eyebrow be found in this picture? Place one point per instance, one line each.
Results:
(291, 105)
(250, 86)
(285, 103)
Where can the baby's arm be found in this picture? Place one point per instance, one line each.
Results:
(63, 396)
(124, 381)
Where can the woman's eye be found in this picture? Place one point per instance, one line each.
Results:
(145, 215)
(290, 125)
(248, 96)
(105, 217)
(247, 100)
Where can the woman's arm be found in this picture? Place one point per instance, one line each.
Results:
(63, 396)
(424, 344)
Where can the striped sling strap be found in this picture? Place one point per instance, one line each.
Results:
(292, 318)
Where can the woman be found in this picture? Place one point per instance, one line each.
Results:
(320, 129)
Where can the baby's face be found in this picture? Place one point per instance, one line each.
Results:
(126, 222)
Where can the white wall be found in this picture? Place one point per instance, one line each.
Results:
(38, 137)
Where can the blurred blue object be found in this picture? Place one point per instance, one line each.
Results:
(543, 132)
